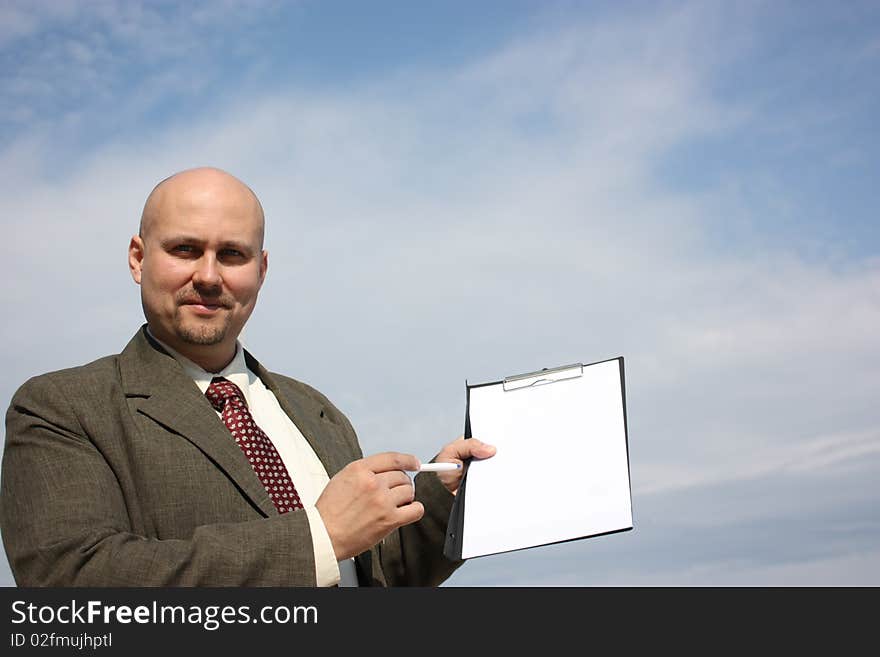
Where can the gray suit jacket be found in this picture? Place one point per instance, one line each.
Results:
(120, 473)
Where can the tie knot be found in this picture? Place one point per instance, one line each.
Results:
(222, 390)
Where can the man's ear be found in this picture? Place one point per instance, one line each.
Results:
(136, 257)
(264, 265)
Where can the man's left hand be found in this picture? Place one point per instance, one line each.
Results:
(458, 451)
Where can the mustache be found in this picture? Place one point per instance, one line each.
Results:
(191, 296)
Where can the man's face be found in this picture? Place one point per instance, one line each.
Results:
(200, 265)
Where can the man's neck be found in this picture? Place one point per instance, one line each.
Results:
(210, 360)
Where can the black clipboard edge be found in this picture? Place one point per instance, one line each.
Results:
(566, 540)
(453, 545)
(626, 437)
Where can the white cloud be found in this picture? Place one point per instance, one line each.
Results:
(823, 454)
(114, 57)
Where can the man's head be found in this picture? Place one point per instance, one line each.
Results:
(200, 262)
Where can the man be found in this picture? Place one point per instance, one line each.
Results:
(183, 461)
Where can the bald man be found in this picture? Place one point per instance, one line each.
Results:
(182, 461)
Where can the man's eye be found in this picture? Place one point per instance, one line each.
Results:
(183, 248)
(231, 253)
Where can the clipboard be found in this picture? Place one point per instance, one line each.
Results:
(561, 472)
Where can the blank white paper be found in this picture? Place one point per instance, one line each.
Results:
(561, 470)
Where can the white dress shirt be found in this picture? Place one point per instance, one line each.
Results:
(305, 468)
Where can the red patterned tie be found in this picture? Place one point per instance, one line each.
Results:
(227, 398)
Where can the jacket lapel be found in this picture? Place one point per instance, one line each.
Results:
(160, 390)
(308, 416)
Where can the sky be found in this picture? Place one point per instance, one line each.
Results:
(457, 192)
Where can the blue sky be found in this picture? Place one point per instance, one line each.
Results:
(471, 190)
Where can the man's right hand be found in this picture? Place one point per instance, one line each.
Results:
(367, 500)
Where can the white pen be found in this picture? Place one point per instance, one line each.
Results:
(439, 467)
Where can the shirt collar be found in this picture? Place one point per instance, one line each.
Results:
(237, 370)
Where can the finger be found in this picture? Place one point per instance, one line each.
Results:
(394, 478)
(401, 495)
(452, 480)
(409, 513)
(387, 461)
(480, 449)
(465, 448)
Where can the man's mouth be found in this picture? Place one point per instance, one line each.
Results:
(204, 306)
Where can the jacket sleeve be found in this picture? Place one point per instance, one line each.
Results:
(66, 521)
(413, 555)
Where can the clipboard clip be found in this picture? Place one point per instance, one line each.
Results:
(543, 377)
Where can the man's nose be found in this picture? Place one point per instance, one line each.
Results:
(207, 272)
